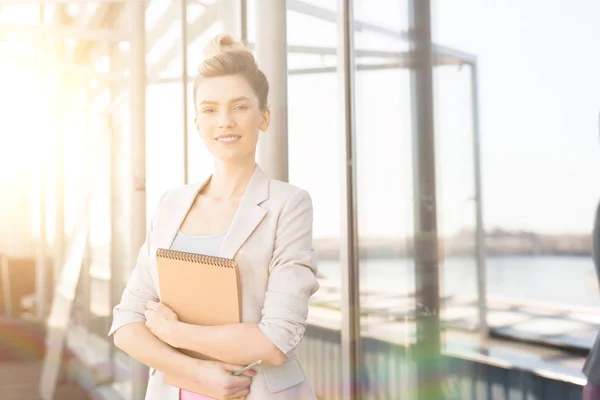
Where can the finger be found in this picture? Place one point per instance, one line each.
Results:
(235, 383)
(147, 314)
(241, 381)
(232, 367)
(238, 395)
(250, 373)
(150, 305)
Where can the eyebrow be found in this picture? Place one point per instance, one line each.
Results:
(234, 100)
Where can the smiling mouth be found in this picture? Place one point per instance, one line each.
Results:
(228, 139)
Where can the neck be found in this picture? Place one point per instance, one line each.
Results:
(230, 178)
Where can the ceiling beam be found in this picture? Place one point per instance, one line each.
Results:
(450, 55)
(104, 17)
(332, 16)
(66, 32)
(161, 27)
(195, 29)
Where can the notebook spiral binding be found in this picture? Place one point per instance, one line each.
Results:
(198, 258)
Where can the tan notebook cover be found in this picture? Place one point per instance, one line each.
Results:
(201, 290)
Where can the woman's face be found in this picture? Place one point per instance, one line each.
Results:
(228, 117)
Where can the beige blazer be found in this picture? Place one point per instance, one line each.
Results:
(271, 239)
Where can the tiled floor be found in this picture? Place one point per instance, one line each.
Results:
(19, 381)
(21, 354)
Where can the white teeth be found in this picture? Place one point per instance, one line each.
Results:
(228, 139)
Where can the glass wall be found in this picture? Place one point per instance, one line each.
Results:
(537, 106)
(314, 134)
(203, 23)
(384, 194)
(21, 136)
(539, 149)
(456, 197)
(164, 119)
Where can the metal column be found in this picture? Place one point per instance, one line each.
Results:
(244, 21)
(117, 251)
(184, 81)
(427, 346)
(271, 55)
(42, 295)
(350, 330)
(41, 271)
(59, 243)
(138, 156)
(118, 224)
(480, 232)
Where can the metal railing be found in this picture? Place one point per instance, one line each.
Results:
(388, 373)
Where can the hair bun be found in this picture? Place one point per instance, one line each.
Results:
(224, 43)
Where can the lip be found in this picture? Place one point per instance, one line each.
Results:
(234, 139)
(227, 136)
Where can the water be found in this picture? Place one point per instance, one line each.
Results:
(566, 281)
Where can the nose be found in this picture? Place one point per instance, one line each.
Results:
(225, 120)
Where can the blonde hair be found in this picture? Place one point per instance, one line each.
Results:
(225, 56)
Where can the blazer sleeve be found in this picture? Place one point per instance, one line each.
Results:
(292, 275)
(140, 287)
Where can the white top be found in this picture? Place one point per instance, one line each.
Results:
(209, 245)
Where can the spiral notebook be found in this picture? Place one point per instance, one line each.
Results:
(201, 290)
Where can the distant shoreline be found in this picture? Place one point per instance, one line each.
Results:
(498, 243)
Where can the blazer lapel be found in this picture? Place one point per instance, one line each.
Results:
(175, 212)
(248, 215)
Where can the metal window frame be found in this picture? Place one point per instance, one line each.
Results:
(349, 263)
(63, 31)
(184, 86)
(424, 57)
(480, 249)
(426, 350)
(137, 189)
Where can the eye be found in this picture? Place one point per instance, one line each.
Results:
(208, 110)
(241, 107)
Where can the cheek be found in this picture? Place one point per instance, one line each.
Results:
(248, 122)
(205, 128)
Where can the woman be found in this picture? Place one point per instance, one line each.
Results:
(238, 212)
(591, 369)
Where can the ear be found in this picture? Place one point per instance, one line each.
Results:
(266, 119)
(196, 122)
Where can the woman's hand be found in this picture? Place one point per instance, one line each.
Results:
(216, 377)
(161, 320)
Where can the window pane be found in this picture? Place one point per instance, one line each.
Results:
(385, 200)
(538, 95)
(314, 164)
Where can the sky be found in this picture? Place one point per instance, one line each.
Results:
(540, 105)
